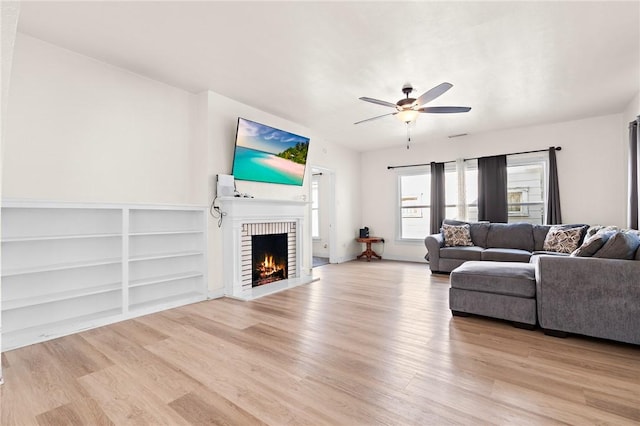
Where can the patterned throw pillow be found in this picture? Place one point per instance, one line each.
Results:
(455, 236)
(562, 240)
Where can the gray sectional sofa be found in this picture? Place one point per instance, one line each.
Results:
(592, 296)
(503, 242)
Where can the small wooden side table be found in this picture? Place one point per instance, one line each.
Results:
(368, 253)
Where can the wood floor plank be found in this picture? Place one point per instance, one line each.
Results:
(81, 412)
(77, 356)
(369, 343)
(197, 411)
(164, 380)
(125, 400)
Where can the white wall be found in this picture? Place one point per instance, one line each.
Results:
(631, 113)
(591, 172)
(223, 115)
(82, 130)
(9, 12)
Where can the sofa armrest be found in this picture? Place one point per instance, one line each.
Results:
(590, 296)
(433, 243)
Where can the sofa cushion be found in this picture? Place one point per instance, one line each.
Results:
(563, 240)
(638, 254)
(479, 230)
(463, 253)
(456, 235)
(552, 253)
(511, 235)
(506, 255)
(592, 244)
(512, 279)
(621, 245)
(539, 235)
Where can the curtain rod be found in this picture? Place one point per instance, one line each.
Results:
(557, 148)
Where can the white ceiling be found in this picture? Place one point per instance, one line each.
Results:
(514, 63)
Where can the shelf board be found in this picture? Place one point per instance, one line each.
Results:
(23, 336)
(142, 234)
(60, 296)
(60, 266)
(164, 278)
(57, 237)
(165, 255)
(171, 300)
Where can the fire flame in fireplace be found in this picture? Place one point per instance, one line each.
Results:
(268, 263)
(269, 270)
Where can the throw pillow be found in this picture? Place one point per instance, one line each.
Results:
(455, 236)
(593, 230)
(562, 240)
(592, 244)
(621, 245)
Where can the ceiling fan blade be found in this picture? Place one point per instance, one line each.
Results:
(375, 118)
(444, 109)
(378, 101)
(433, 93)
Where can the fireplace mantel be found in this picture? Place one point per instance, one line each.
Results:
(240, 212)
(255, 209)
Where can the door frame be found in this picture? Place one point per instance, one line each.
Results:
(329, 211)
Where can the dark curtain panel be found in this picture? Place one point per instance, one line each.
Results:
(554, 215)
(437, 196)
(492, 188)
(634, 155)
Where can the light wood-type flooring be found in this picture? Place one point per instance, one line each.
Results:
(369, 343)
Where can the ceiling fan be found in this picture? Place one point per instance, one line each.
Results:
(407, 109)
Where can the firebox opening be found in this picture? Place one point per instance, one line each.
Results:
(269, 258)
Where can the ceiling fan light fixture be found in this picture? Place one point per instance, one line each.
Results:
(407, 115)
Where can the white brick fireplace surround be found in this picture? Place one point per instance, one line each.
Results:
(250, 216)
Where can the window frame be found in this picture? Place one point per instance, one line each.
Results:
(529, 159)
(398, 207)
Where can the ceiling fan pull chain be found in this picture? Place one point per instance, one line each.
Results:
(408, 135)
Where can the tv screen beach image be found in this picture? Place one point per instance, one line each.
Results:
(266, 154)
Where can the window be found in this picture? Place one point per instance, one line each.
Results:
(315, 209)
(526, 183)
(526, 176)
(414, 198)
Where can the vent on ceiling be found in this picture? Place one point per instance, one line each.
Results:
(457, 136)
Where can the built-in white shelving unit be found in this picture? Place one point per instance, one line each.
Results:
(68, 267)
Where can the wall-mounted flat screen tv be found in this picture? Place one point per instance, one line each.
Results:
(267, 154)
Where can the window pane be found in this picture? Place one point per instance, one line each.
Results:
(314, 194)
(451, 192)
(415, 190)
(315, 207)
(471, 186)
(415, 222)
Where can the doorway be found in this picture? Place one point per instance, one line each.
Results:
(323, 215)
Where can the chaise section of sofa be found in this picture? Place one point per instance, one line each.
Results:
(589, 296)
